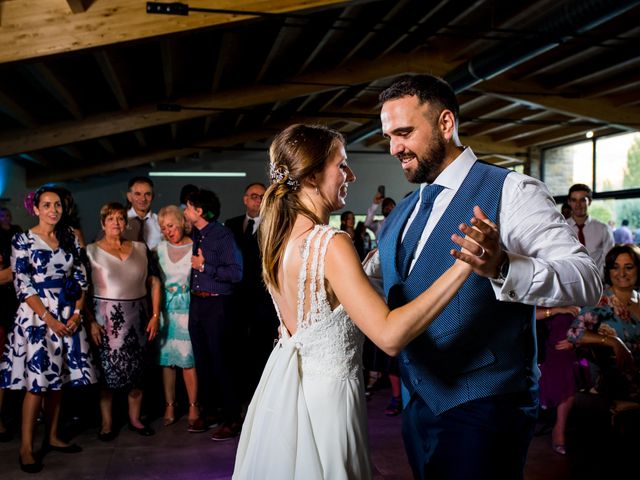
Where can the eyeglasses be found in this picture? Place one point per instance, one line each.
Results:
(255, 196)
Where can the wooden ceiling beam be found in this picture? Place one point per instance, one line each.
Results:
(597, 110)
(103, 60)
(16, 111)
(78, 6)
(53, 29)
(55, 86)
(149, 115)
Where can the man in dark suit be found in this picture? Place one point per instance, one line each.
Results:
(254, 308)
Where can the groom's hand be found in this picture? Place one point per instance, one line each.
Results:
(481, 245)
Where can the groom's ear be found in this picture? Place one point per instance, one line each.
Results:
(447, 124)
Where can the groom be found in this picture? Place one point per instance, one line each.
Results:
(470, 380)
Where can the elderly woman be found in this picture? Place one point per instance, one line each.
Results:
(174, 257)
(122, 272)
(615, 323)
(47, 347)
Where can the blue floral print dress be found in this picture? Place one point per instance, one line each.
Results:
(35, 358)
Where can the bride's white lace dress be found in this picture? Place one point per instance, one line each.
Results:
(307, 419)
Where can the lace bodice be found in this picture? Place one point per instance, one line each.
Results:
(328, 342)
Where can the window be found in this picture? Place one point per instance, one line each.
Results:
(618, 162)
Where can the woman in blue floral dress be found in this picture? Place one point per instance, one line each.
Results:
(47, 347)
(615, 324)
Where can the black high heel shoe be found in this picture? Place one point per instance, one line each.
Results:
(30, 467)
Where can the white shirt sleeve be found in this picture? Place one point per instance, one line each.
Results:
(548, 265)
(369, 222)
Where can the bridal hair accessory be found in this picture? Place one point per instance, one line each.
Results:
(28, 203)
(280, 174)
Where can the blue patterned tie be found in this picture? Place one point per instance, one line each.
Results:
(408, 246)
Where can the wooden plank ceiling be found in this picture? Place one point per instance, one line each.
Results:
(94, 86)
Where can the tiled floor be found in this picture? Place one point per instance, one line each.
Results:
(175, 454)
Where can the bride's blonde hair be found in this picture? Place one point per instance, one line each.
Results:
(296, 153)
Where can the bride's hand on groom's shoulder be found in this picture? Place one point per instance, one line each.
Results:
(480, 245)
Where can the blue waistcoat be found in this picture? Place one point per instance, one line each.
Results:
(478, 346)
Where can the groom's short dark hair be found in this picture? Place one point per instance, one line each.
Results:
(428, 88)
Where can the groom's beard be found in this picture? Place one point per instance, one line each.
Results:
(430, 163)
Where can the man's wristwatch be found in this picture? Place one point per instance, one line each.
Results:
(503, 271)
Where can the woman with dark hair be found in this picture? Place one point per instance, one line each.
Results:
(347, 223)
(615, 324)
(48, 346)
(307, 418)
(122, 271)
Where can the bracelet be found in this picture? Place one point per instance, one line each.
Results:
(547, 313)
(155, 315)
(603, 338)
(44, 315)
(201, 268)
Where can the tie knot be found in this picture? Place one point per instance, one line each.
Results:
(429, 194)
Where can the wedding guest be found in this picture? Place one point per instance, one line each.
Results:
(216, 264)
(122, 272)
(174, 258)
(48, 347)
(142, 222)
(614, 323)
(557, 369)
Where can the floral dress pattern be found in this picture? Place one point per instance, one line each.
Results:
(603, 320)
(120, 307)
(35, 358)
(174, 339)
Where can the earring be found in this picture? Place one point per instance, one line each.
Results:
(317, 191)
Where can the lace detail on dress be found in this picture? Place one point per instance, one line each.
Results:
(328, 341)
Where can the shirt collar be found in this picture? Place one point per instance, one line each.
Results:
(455, 173)
(256, 220)
(132, 213)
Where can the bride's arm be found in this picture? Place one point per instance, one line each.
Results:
(389, 330)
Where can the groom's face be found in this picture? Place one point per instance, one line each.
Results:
(414, 138)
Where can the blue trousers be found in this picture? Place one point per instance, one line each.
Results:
(486, 438)
(215, 354)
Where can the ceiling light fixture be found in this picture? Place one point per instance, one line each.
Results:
(589, 134)
(198, 174)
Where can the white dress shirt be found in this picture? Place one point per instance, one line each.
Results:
(152, 233)
(598, 239)
(548, 266)
(369, 222)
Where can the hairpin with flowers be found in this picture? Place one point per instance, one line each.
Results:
(29, 203)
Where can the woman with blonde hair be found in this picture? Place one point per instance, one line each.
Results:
(307, 418)
(174, 257)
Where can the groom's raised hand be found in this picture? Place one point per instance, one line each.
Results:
(481, 245)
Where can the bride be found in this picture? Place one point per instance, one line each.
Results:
(307, 419)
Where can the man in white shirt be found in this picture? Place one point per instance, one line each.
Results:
(142, 224)
(470, 379)
(592, 233)
(388, 204)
